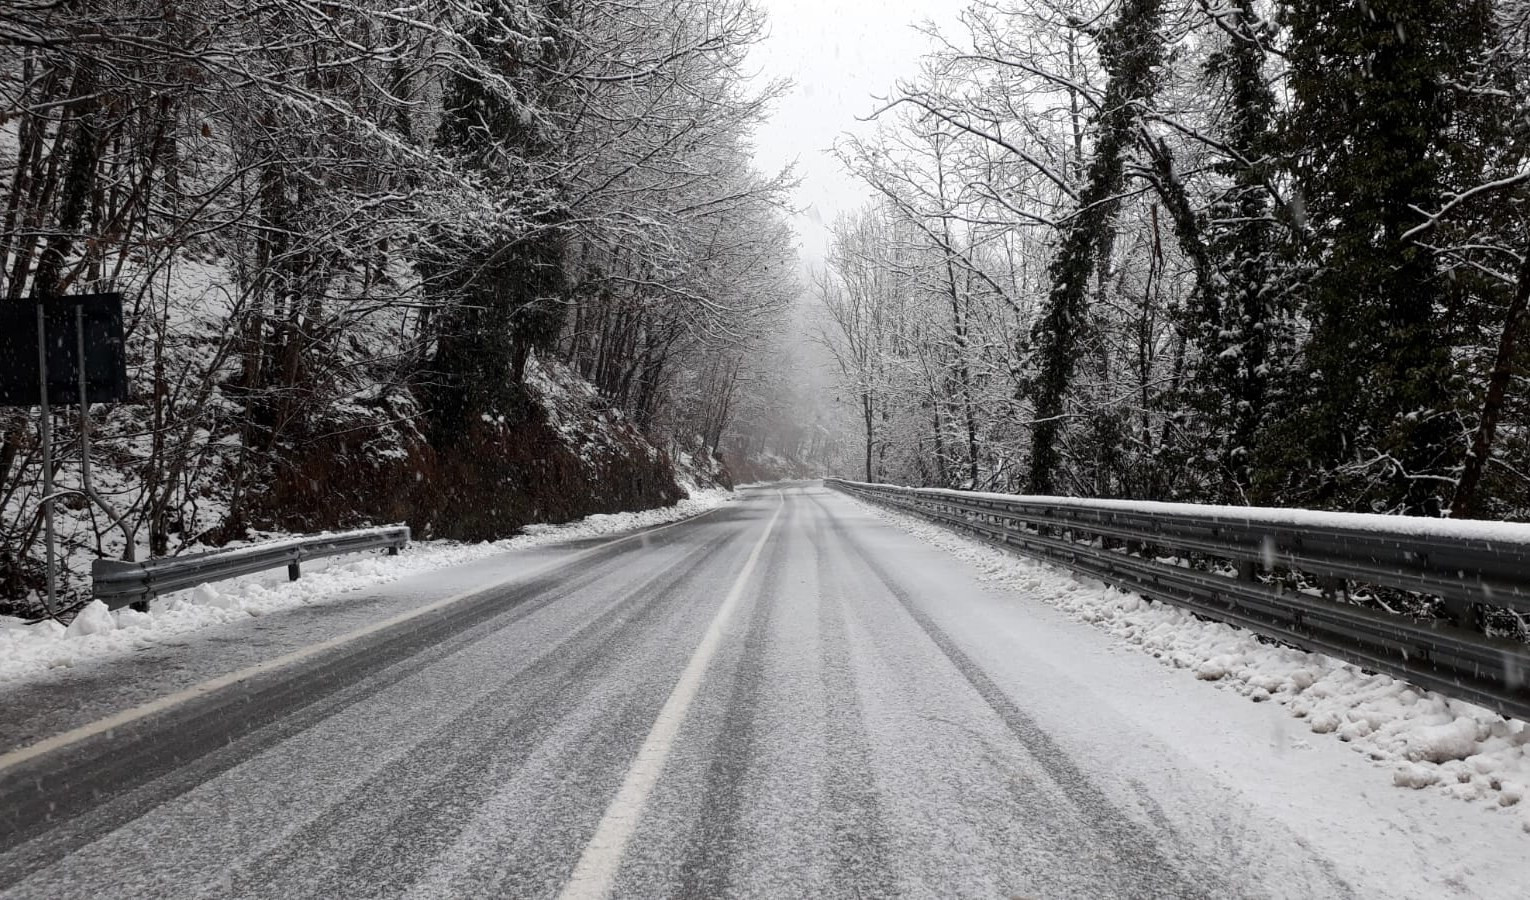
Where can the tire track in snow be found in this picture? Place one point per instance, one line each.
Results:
(1138, 850)
(600, 863)
(405, 815)
(718, 839)
(149, 762)
(861, 856)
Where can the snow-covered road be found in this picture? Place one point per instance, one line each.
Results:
(787, 697)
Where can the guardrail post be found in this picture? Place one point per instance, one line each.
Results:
(1463, 613)
(294, 570)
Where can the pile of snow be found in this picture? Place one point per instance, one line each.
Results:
(96, 633)
(1428, 740)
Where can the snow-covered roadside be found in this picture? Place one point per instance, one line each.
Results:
(1427, 741)
(96, 632)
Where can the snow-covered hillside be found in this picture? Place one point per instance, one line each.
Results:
(572, 455)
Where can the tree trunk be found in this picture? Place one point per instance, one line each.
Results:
(1467, 502)
(869, 413)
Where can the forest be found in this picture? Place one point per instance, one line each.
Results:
(1215, 251)
(473, 264)
(351, 236)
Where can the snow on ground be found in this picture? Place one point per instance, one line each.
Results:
(97, 632)
(1428, 741)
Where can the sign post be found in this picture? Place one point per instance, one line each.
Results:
(46, 426)
(130, 552)
(93, 365)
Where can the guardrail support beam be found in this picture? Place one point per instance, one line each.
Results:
(119, 584)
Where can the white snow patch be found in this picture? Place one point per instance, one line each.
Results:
(93, 619)
(1416, 776)
(98, 633)
(1427, 739)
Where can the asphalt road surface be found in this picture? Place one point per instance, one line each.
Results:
(786, 697)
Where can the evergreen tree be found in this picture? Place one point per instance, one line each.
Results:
(1379, 130)
(1241, 325)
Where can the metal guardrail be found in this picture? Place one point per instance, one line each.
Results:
(1465, 564)
(119, 584)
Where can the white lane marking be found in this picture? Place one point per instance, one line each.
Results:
(170, 701)
(596, 871)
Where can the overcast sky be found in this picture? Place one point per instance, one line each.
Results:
(841, 54)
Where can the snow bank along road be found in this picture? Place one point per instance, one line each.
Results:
(786, 697)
